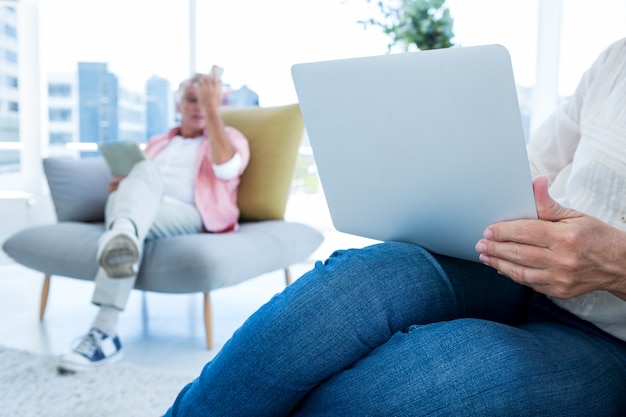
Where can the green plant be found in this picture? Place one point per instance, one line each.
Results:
(426, 24)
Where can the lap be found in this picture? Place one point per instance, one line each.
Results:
(411, 284)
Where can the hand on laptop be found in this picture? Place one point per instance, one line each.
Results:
(564, 254)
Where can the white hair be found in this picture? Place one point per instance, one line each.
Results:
(181, 87)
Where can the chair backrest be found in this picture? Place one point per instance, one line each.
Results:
(79, 187)
(275, 135)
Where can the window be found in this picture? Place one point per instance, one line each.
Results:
(60, 115)
(10, 31)
(100, 77)
(59, 90)
(604, 22)
(10, 56)
(11, 157)
(60, 138)
(9, 161)
(11, 81)
(256, 49)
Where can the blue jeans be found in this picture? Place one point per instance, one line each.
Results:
(391, 330)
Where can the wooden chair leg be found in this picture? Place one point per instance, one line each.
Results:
(288, 280)
(208, 320)
(45, 289)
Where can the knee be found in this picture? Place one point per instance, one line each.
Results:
(368, 267)
(386, 257)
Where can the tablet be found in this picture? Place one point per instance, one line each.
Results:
(121, 156)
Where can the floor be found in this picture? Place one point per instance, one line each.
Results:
(162, 331)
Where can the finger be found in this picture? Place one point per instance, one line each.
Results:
(547, 207)
(205, 80)
(215, 72)
(534, 277)
(526, 255)
(532, 231)
(527, 232)
(213, 76)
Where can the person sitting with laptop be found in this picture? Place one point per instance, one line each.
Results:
(187, 184)
(537, 327)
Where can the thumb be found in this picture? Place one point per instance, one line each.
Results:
(547, 208)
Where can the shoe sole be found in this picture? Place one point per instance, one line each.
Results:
(73, 367)
(119, 257)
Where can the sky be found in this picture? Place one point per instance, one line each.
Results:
(257, 42)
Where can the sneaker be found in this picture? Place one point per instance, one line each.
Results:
(118, 253)
(94, 350)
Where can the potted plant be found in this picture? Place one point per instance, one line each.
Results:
(427, 24)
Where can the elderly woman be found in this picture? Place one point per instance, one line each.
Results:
(537, 329)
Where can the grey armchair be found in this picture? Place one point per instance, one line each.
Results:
(204, 262)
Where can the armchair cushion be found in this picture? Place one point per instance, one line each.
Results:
(182, 264)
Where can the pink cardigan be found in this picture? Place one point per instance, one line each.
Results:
(215, 199)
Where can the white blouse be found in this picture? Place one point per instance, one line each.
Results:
(589, 133)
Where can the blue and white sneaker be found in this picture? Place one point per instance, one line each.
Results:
(94, 350)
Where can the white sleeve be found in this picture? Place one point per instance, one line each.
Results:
(553, 144)
(229, 169)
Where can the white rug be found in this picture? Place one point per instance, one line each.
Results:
(30, 386)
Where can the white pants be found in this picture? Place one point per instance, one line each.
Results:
(140, 199)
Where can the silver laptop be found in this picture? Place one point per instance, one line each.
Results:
(423, 147)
